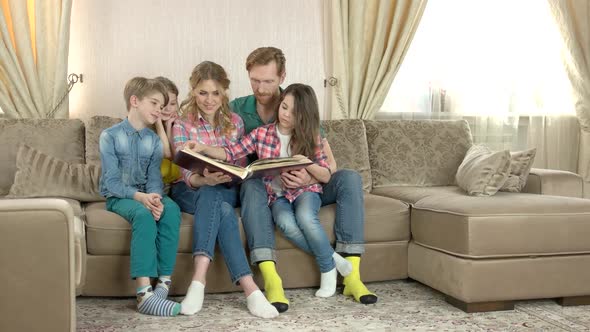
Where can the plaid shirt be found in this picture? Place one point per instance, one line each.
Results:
(266, 143)
(196, 128)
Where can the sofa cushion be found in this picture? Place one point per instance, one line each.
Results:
(63, 139)
(413, 194)
(93, 129)
(503, 225)
(416, 153)
(520, 167)
(41, 175)
(386, 220)
(348, 142)
(483, 172)
(107, 233)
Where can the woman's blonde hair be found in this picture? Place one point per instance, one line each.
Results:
(208, 70)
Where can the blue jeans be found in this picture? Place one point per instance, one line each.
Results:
(214, 221)
(345, 189)
(300, 223)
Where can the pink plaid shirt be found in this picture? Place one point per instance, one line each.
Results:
(266, 143)
(196, 128)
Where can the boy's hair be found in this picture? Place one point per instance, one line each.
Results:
(208, 70)
(141, 87)
(306, 114)
(264, 56)
(170, 86)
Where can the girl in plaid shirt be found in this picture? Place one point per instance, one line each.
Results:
(295, 210)
(207, 119)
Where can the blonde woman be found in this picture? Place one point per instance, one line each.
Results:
(208, 120)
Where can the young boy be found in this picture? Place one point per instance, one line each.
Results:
(131, 155)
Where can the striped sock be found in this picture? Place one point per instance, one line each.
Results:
(162, 287)
(149, 304)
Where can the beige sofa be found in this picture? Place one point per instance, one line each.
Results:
(483, 253)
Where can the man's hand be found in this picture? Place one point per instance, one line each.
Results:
(215, 178)
(295, 179)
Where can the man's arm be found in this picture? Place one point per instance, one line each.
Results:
(110, 165)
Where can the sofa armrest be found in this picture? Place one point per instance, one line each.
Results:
(554, 182)
(37, 265)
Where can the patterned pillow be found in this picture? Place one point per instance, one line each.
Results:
(348, 142)
(483, 172)
(41, 175)
(94, 128)
(520, 166)
(416, 152)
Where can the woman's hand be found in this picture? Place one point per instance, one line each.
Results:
(194, 146)
(215, 178)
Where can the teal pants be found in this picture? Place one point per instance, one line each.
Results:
(153, 244)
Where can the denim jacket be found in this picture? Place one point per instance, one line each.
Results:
(130, 161)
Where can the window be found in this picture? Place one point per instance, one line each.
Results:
(483, 58)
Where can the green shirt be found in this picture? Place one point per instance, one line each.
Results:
(245, 107)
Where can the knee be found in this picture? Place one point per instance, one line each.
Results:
(287, 227)
(226, 210)
(348, 178)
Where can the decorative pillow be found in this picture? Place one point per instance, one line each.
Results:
(348, 141)
(520, 166)
(483, 172)
(41, 175)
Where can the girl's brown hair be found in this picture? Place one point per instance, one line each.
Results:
(208, 70)
(306, 132)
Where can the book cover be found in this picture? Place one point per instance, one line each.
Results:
(197, 162)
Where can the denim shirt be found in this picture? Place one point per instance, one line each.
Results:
(130, 161)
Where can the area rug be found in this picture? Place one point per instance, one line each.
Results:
(402, 306)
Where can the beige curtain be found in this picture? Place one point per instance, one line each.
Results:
(34, 57)
(573, 18)
(367, 42)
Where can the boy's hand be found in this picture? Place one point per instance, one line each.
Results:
(151, 202)
(157, 212)
(215, 178)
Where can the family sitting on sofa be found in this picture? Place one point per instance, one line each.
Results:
(135, 156)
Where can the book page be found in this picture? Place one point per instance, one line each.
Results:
(270, 163)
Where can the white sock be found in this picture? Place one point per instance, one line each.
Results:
(343, 266)
(327, 284)
(193, 301)
(259, 305)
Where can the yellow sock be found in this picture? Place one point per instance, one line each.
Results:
(273, 286)
(353, 286)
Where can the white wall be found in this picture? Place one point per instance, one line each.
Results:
(113, 40)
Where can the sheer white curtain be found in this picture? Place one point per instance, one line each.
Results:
(496, 63)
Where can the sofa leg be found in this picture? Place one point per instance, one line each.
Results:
(480, 306)
(573, 300)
